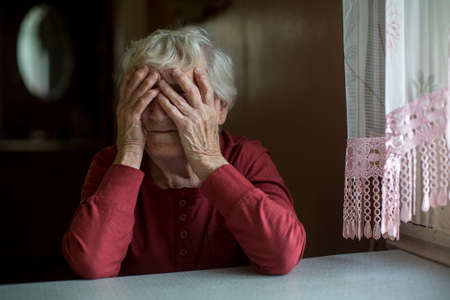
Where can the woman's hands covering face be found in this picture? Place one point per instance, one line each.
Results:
(196, 115)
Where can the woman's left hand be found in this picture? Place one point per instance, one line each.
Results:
(196, 116)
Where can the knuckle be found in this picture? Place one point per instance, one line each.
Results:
(191, 93)
(154, 93)
(136, 105)
(149, 80)
(146, 82)
(164, 88)
(149, 95)
(139, 102)
(209, 94)
(133, 113)
(140, 74)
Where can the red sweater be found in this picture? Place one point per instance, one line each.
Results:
(243, 212)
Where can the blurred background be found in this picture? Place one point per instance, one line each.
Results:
(57, 97)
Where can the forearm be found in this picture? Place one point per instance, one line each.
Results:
(263, 223)
(129, 157)
(97, 240)
(270, 235)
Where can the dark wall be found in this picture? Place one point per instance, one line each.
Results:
(40, 192)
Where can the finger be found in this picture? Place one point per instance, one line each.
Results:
(146, 84)
(175, 98)
(217, 104)
(136, 80)
(189, 88)
(204, 86)
(124, 83)
(145, 100)
(171, 110)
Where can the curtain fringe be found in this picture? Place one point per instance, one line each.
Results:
(362, 208)
(374, 205)
(399, 203)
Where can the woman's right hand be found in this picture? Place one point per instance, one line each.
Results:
(136, 92)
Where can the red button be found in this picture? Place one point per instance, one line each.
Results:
(183, 234)
(183, 217)
(182, 203)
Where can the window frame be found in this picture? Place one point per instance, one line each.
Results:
(426, 242)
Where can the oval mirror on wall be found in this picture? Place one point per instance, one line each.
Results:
(44, 53)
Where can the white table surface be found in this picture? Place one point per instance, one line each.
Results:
(392, 274)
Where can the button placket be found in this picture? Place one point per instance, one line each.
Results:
(182, 234)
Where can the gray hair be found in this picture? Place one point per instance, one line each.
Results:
(183, 48)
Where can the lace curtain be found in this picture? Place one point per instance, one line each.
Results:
(396, 71)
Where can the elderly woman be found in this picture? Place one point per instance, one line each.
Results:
(177, 192)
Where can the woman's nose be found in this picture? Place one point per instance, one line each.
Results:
(156, 111)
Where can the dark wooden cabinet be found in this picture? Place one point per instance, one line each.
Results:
(41, 174)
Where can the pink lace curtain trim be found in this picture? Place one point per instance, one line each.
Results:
(382, 174)
(362, 196)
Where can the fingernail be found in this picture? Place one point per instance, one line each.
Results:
(176, 71)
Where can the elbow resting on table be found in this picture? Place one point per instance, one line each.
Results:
(84, 265)
(91, 271)
(285, 257)
(282, 265)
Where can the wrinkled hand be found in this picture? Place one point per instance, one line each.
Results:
(196, 116)
(136, 92)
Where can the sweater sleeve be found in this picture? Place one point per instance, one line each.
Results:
(258, 210)
(97, 240)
